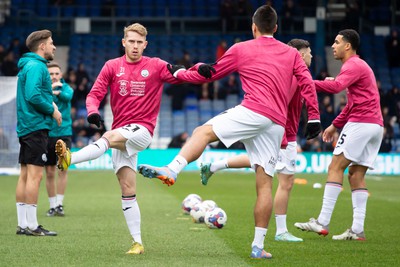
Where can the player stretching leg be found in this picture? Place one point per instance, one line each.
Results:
(136, 83)
(258, 121)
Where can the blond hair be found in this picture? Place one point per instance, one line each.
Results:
(136, 27)
(36, 38)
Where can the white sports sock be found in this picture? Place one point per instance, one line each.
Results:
(331, 194)
(21, 215)
(60, 199)
(359, 198)
(53, 202)
(280, 224)
(31, 216)
(219, 165)
(131, 211)
(92, 151)
(259, 237)
(177, 164)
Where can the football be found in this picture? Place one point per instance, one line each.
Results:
(198, 212)
(193, 195)
(189, 202)
(216, 218)
(209, 204)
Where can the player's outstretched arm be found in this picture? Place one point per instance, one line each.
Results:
(174, 69)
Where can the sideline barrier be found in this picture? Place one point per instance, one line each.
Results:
(307, 162)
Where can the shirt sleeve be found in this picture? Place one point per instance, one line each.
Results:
(99, 90)
(347, 76)
(307, 88)
(165, 75)
(341, 119)
(33, 92)
(224, 66)
(66, 93)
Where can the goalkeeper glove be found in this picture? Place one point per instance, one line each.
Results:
(313, 129)
(174, 68)
(95, 119)
(206, 70)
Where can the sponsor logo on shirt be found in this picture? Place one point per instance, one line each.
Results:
(137, 88)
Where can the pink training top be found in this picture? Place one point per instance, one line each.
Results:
(363, 104)
(135, 90)
(266, 67)
(293, 116)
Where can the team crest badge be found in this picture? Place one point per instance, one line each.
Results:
(122, 87)
(144, 73)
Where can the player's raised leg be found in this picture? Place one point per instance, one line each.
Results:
(208, 169)
(63, 154)
(192, 150)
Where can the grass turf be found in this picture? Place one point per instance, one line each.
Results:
(93, 232)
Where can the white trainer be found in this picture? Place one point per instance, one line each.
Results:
(350, 235)
(313, 226)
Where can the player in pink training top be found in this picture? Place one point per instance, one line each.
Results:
(266, 67)
(359, 140)
(136, 84)
(286, 163)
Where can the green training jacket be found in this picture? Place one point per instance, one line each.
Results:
(63, 102)
(34, 95)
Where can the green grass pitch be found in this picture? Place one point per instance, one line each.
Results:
(93, 232)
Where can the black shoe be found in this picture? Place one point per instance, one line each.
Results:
(60, 210)
(51, 212)
(40, 231)
(21, 231)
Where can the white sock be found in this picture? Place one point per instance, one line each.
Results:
(21, 215)
(259, 237)
(131, 211)
(177, 164)
(92, 151)
(31, 216)
(280, 224)
(60, 199)
(331, 194)
(219, 165)
(53, 202)
(359, 198)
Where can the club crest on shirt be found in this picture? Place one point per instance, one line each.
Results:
(122, 87)
(144, 73)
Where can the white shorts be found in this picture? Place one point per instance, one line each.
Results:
(139, 138)
(360, 143)
(261, 136)
(287, 159)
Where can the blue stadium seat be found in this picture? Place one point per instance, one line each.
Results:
(187, 8)
(205, 105)
(68, 11)
(42, 8)
(191, 103)
(205, 116)
(218, 106)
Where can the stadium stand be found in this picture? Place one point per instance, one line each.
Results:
(176, 26)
